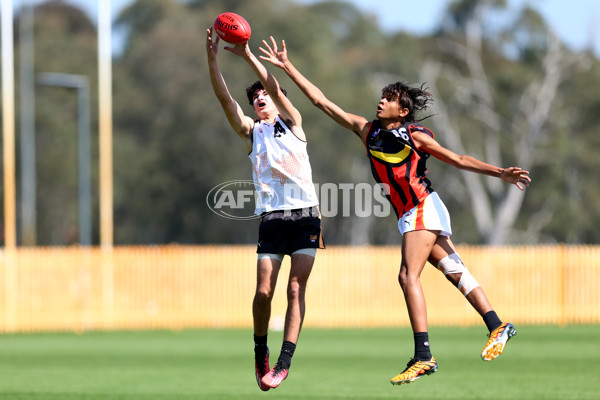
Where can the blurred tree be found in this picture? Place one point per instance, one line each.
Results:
(507, 92)
(469, 84)
(164, 95)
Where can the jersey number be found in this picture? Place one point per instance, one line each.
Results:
(278, 130)
(401, 133)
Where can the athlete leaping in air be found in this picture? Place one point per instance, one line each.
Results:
(398, 148)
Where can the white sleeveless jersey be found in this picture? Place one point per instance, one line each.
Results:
(280, 169)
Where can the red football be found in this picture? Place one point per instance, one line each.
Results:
(232, 28)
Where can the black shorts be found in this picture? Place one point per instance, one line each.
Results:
(285, 231)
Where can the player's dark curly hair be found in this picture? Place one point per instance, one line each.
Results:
(413, 98)
(258, 86)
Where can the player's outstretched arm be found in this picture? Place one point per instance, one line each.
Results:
(240, 123)
(514, 175)
(279, 58)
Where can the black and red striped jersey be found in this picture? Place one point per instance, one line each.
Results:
(398, 163)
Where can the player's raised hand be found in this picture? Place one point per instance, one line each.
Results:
(212, 48)
(516, 176)
(272, 54)
(239, 49)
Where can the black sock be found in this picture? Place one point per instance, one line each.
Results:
(491, 320)
(260, 346)
(422, 352)
(287, 352)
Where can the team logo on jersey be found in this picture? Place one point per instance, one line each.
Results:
(278, 130)
(391, 158)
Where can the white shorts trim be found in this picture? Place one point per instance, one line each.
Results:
(278, 257)
(308, 251)
(431, 214)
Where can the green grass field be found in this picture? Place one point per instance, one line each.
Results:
(539, 363)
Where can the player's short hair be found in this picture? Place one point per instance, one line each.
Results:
(250, 90)
(413, 98)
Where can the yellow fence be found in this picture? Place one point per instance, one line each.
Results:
(179, 287)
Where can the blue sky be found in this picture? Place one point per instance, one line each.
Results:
(577, 22)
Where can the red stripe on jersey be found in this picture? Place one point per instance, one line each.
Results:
(367, 135)
(416, 188)
(414, 193)
(382, 176)
(400, 180)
